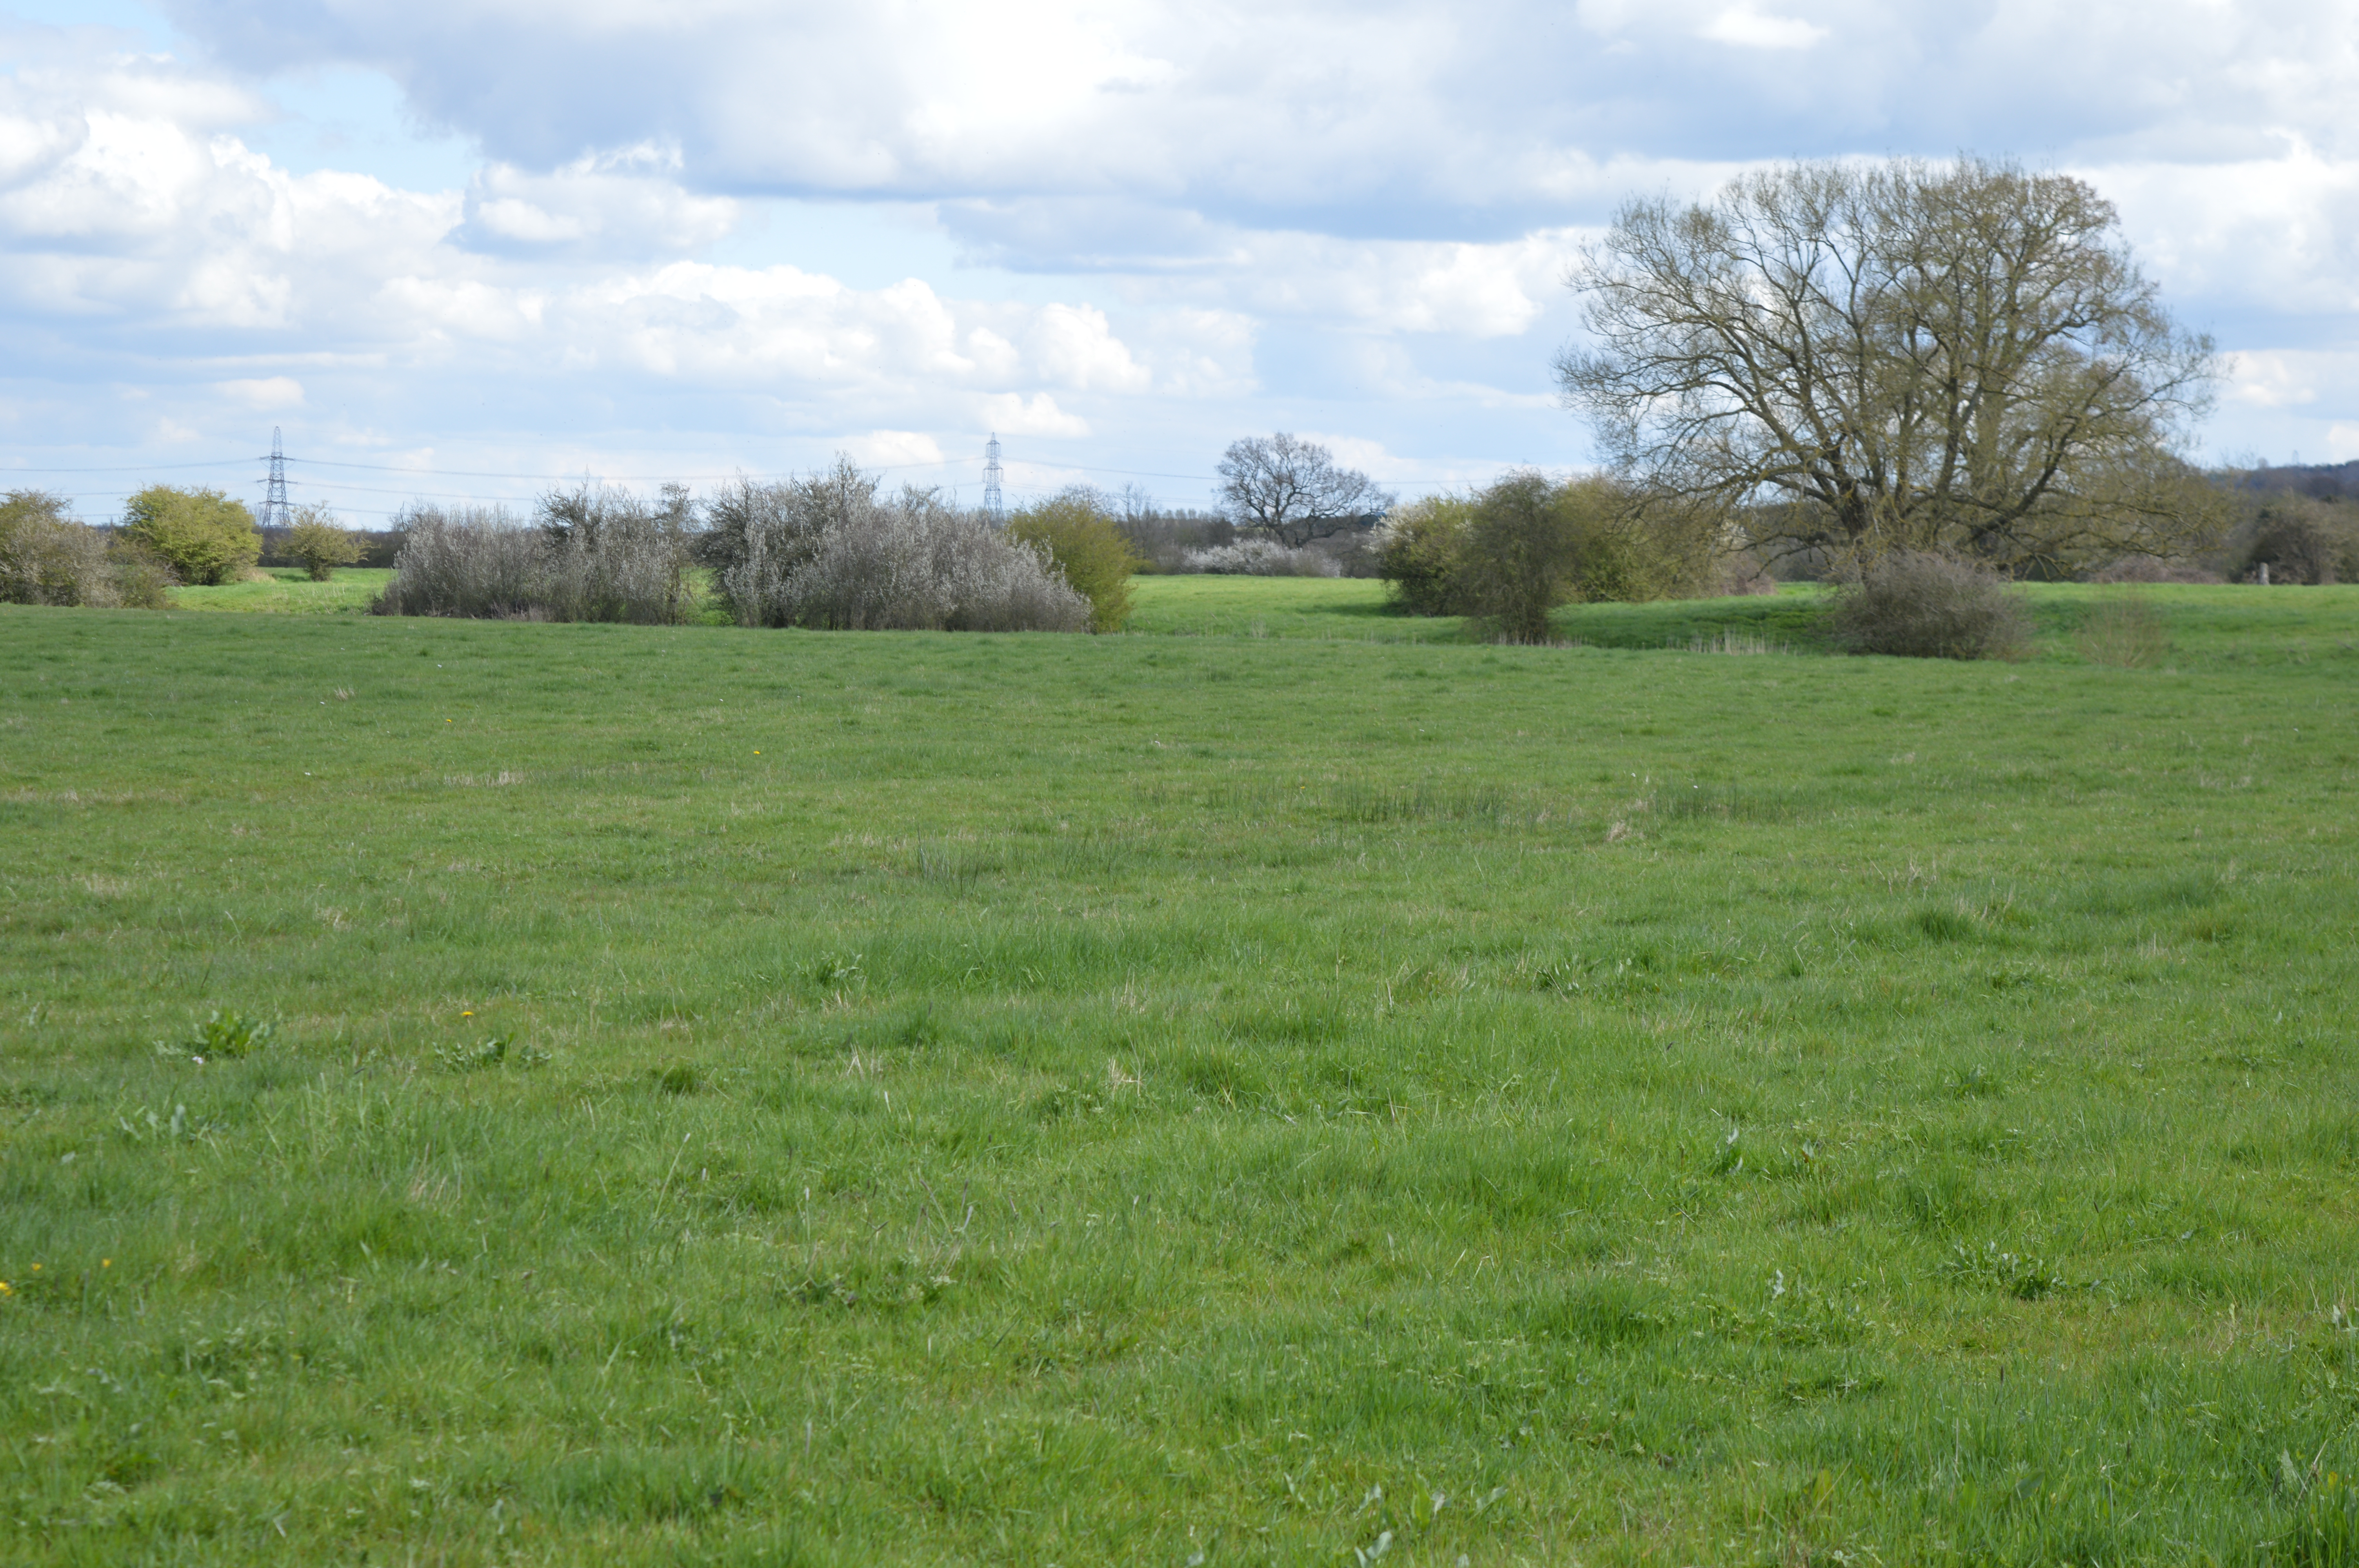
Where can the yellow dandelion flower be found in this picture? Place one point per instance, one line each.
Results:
(106, 1262)
(5, 1290)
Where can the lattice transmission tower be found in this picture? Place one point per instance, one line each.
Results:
(995, 505)
(274, 510)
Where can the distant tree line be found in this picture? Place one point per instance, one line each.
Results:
(1918, 382)
(1915, 380)
(166, 536)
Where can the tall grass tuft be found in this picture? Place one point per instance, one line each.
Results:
(2125, 631)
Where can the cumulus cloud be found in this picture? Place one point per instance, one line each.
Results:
(1310, 212)
(148, 217)
(264, 391)
(893, 449)
(2277, 231)
(1401, 119)
(1013, 415)
(1745, 28)
(627, 202)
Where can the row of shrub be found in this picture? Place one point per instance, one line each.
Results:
(47, 557)
(168, 537)
(826, 551)
(1510, 552)
(595, 554)
(830, 550)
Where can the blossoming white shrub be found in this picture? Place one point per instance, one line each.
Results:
(825, 551)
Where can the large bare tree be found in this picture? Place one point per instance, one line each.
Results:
(1959, 357)
(1291, 490)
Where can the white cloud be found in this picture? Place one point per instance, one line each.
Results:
(2270, 380)
(2278, 231)
(1202, 353)
(1074, 347)
(1011, 415)
(1177, 220)
(264, 391)
(1745, 28)
(151, 222)
(1405, 119)
(624, 203)
(893, 449)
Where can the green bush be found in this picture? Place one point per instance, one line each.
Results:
(47, 558)
(141, 579)
(1528, 539)
(1087, 547)
(1521, 555)
(203, 535)
(1417, 553)
(322, 544)
(1916, 605)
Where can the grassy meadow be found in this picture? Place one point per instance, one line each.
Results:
(288, 590)
(1302, 1087)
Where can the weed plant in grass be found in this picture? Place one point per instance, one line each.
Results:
(2123, 628)
(708, 1096)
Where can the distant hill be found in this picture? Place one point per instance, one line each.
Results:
(2325, 481)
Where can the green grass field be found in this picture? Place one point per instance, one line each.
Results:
(1284, 1093)
(288, 590)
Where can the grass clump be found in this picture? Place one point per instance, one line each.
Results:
(1918, 604)
(2325, 1532)
(226, 1036)
(2124, 630)
(498, 1051)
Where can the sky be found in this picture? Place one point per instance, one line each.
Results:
(469, 249)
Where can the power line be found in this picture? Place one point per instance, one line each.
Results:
(609, 478)
(144, 467)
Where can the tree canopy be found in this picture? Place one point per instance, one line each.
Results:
(203, 535)
(1292, 491)
(1076, 527)
(1961, 358)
